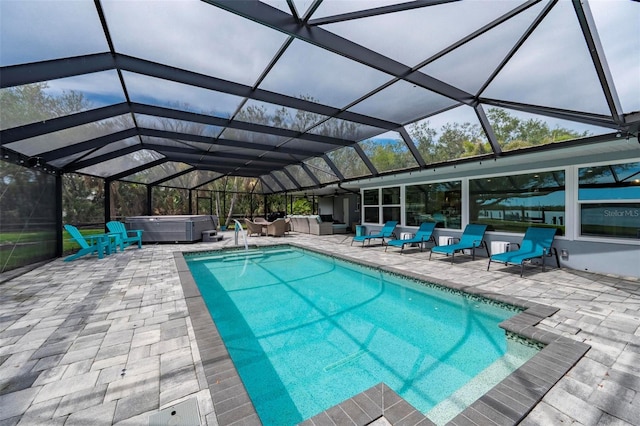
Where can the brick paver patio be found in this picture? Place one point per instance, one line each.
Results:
(111, 341)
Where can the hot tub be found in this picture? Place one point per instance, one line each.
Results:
(172, 229)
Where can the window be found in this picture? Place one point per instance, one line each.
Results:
(436, 202)
(609, 199)
(371, 199)
(387, 198)
(391, 195)
(515, 202)
(391, 204)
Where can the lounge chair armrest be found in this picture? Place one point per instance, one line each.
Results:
(137, 232)
(455, 239)
(515, 244)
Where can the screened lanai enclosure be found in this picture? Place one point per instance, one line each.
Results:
(240, 108)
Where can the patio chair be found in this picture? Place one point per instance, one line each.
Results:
(124, 237)
(277, 228)
(536, 244)
(385, 232)
(254, 228)
(423, 235)
(100, 244)
(472, 238)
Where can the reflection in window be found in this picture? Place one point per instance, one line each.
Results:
(372, 214)
(615, 219)
(610, 182)
(371, 197)
(391, 195)
(391, 213)
(513, 203)
(371, 200)
(391, 204)
(436, 202)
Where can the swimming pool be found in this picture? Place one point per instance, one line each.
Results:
(304, 340)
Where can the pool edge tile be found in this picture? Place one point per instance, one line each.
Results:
(220, 372)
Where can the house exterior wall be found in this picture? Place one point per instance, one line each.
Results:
(584, 251)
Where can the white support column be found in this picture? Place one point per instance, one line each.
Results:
(571, 206)
(464, 203)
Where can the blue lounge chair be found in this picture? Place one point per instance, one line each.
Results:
(124, 238)
(536, 244)
(385, 232)
(471, 239)
(100, 244)
(423, 235)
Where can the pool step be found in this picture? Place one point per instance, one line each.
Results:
(241, 255)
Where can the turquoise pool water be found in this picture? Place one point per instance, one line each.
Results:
(307, 331)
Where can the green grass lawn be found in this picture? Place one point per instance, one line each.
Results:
(19, 249)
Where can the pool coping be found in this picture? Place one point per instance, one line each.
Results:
(507, 403)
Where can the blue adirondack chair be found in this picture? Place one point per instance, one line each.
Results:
(124, 237)
(423, 235)
(385, 232)
(536, 244)
(99, 244)
(472, 238)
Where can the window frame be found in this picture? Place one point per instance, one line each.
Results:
(566, 226)
(578, 203)
(462, 205)
(381, 206)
